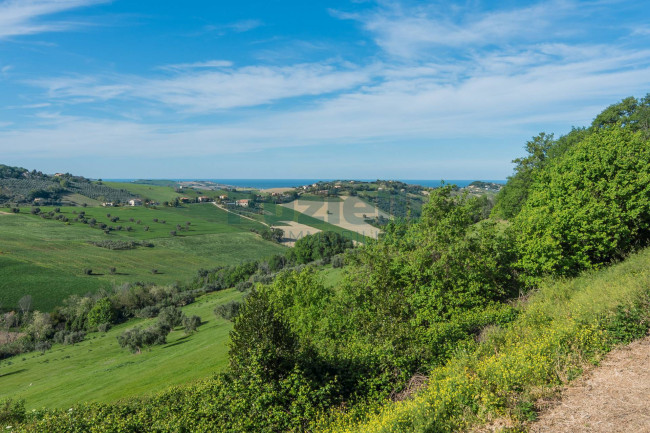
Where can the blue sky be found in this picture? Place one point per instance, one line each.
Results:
(306, 89)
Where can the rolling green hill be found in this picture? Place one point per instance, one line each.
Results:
(46, 258)
(98, 370)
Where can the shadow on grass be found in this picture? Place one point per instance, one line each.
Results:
(13, 372)
(180, 341)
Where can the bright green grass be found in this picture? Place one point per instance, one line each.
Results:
(332, 276)
(46, 258)
(98, 370)
(157, 193)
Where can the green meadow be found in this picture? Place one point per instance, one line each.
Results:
(47, 258)
(164, 192)
(157, 193)
(98, 370)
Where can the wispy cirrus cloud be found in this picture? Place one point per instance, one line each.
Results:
(234, 27)
(192, 89)
(409, 103)
(409, 32)
(197, 65)
(26, 17)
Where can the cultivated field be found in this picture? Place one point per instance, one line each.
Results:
(294, 231)
(46, 258)
(347, 214)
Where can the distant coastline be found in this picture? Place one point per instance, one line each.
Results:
(291, 183)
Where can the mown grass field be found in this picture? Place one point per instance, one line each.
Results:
(98, 370)
(46, 258)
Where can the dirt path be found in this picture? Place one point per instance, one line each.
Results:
(614, 397)
(241, 216)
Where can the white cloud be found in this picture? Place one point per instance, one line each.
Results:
(198, 65)
(412, 32)
(25, 17)
(205, 91)
(234, 27)
(407, 106)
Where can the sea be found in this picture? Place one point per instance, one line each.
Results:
(292, 183)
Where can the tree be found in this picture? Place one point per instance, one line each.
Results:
(262, 337)
(25, 303)
(136, 339)
(40, 326)
(513, 195)
(102, 312)
(171, 316)
(589, 206)
(631, 113)
(191, 323)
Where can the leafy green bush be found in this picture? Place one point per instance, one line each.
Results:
(319, 246)
(588, 207)
(11, 412)
(102, 312)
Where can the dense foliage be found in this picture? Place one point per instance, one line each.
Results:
(319, 246)
(589, 206)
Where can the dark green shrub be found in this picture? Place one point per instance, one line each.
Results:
(191, 323)
(228, 311)
(171, 317)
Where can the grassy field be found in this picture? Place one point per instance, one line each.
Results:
(161, 192)
(157, 193)
(46, 258)
(99, 370)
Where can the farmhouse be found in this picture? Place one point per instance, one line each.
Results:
(203, 199)
(243, 202)
(223, 197)
(107, 204)
(184, 199)
(135, 202)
